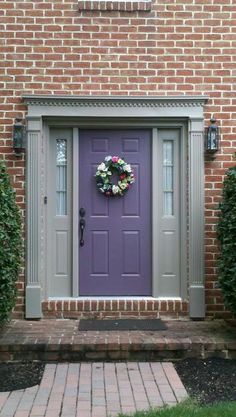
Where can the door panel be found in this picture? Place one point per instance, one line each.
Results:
(116, 256)
(100, 252)
(131, 254)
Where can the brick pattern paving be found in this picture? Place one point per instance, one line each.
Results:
(96, 390)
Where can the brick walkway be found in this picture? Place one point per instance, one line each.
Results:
(96, 389)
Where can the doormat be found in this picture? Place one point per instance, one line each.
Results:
(121, 324)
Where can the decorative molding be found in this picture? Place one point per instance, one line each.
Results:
(117, 102)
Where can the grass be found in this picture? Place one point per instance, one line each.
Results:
(190, 409)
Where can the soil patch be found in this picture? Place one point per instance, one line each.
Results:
(210, 380)
(20, 375)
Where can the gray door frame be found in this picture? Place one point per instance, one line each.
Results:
(185, 113)
(155, 127)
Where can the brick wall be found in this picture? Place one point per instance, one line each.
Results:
(178, 47)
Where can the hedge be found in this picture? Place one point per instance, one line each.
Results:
(226, 230)
(10, 245)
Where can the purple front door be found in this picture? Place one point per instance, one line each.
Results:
(116, 256)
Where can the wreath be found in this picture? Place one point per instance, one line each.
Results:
(114, 165)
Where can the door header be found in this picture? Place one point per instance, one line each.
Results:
(149, 106)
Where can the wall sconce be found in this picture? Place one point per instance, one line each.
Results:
(212, 137)
(18, 135)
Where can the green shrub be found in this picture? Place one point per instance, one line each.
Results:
(226, 230)
(10, 245)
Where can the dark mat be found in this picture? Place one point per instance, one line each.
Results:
(121, 324)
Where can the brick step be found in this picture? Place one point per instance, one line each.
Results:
(60, 340)
(114, 308)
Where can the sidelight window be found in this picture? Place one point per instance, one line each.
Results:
(61, 177)
(168, 168)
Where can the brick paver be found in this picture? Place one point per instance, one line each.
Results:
(96, 389)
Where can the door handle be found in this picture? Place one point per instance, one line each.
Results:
(81, 228)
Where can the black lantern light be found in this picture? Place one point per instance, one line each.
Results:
(18, 135)
(212, 137)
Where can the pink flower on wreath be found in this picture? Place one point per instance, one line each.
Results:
(115, 159)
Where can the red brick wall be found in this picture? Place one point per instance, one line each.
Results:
(179, 47)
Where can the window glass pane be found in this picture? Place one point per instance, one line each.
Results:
(61, 177)
(168, 178)
(168, 168)
(168, 152)
(168, 204)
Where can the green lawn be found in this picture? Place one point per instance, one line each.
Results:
(189, 409)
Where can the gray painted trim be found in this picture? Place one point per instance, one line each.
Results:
(197, 301)
(75, 217)
(155, 215)
(33, 190)
(33, 302)
(122, 107)
(110, 112)
(115, 101)
(47, 260)
(173, 223)
(183, 210)
(196, 219)
(155, 191)
(183, 206)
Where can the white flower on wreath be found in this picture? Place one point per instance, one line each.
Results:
(102, 167)
(122, 185)
(127, 168)
(115, 189)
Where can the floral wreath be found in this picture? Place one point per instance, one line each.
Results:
(114, 164)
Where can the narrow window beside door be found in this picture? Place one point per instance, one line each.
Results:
(61, 184)
(168, 168)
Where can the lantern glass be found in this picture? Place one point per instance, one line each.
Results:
(18, 135)
(212, 137)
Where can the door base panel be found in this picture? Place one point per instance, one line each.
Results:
(106, 307)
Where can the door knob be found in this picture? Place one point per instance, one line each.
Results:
(82, 212)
